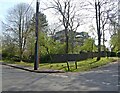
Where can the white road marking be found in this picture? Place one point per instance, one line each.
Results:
(64, 76)
(105, 83)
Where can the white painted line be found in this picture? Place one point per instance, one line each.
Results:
(105, 83)
(64, 76)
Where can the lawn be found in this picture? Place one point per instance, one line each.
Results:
(0, 50)
(85, 65)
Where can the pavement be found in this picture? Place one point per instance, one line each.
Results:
(31, 69)
(105, 78)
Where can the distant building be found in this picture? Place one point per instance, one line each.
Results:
(59, 36)
(81, 37)
(76, 37)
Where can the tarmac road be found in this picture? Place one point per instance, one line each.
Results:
(100, 79)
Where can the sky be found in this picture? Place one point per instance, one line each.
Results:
(5, 5)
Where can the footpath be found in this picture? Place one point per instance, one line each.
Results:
(31, 69)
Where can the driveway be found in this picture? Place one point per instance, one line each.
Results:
(100, 79)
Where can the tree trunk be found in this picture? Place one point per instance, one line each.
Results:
(98, 29)
(104, 43)
(66, 44)
(21, 55)
(66, 48)
(66, 36)
(20, 39)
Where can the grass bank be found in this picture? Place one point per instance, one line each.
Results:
(85, 65)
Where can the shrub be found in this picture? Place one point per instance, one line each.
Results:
(15, 58)
(118, 54)
(45, 59)
(112, 54)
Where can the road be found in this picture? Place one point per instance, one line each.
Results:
(100, 79)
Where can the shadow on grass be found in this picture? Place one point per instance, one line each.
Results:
(93, 62)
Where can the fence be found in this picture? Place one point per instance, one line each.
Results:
(63, 57)
(74, 57)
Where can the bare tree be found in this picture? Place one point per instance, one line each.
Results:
(18, 24)
(68, 16)
(101, 9)
(53, 28)
(114, 20)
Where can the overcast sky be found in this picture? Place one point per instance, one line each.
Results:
(5, 5)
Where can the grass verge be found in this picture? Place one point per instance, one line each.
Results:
(85, 65)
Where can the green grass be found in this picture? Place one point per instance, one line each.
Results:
(18, 63)
(0, 51)
(85, 65)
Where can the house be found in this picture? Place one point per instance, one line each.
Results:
(75, 37)
(59, 36)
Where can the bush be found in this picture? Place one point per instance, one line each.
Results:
(112, 54)
(45, 59)
(15, 58)
(118, 54)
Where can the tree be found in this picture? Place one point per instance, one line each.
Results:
(89, 45)
(68, 16)
(47, 45)
(42, 28)
(102, 9)
(115, 32)
(17, 26)
(0, 44)
(114, 42)
(43, 23)
(98, 15)
(79, 40)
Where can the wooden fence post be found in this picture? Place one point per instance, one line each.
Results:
(76, 64)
